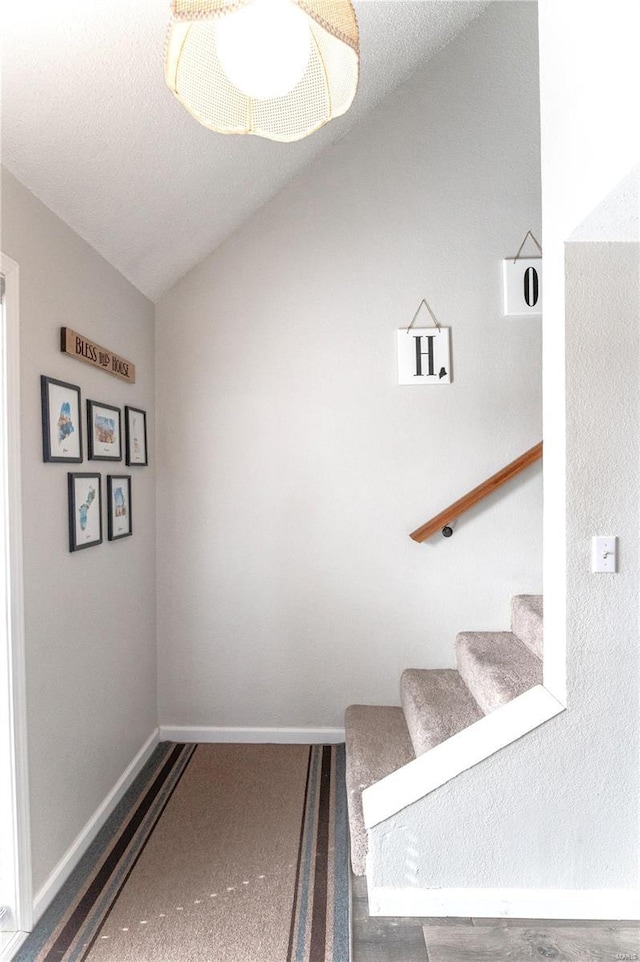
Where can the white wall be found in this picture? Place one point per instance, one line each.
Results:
(589, 78)
(90, 616)
(617, 218)
(559, 809)
(292, 467)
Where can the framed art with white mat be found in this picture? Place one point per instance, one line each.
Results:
(85, 510)
(136, 436)
(119, 506)
(105, 442)
(61, 420)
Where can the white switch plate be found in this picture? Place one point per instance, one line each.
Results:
(604, 554)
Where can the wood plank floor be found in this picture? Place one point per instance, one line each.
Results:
(486, 940)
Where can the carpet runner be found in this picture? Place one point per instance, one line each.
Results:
(218, 853)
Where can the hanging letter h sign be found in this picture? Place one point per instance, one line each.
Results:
(424, 355)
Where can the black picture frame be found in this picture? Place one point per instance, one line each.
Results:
(104, 429)
(136, 451)
(61, 405)
(119, 508)
(85, 510)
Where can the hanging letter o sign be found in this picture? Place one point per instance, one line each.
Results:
(522, 286)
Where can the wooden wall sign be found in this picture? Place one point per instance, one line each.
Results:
(80, 347)
(424, 355)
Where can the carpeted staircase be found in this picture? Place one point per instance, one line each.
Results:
(493, 667)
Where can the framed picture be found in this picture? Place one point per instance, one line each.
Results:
(85, 511)
(104, 432)
(119, 506)
(61, 427)
(136, 432)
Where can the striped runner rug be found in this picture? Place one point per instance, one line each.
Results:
(218, 853)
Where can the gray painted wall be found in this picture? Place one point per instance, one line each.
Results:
(90, 616)
(292, 467)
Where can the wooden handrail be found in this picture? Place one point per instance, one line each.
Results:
(487, 487)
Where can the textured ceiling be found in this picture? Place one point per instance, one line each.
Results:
(90, 128)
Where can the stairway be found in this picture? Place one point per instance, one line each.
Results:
(493, 667)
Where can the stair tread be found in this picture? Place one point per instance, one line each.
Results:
(496, 666)
(527, 621)
(437, 704)
(377, 743)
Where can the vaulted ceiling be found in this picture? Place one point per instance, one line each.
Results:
(90, 128)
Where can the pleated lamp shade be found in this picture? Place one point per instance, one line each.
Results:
(318, 85)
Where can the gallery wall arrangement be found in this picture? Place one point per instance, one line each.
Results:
(62, 442)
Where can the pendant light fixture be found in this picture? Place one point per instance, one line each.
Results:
(279, 69)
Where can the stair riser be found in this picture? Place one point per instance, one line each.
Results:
(377, 743)
(527, 622)
(496, 667)
(436, 705)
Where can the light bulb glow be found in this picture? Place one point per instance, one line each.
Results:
(264, 47)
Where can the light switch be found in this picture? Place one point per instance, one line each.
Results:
(604, 554)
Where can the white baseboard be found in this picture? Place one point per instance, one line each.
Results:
(74, 853)
(10, 943)
(606, 904)
(255, 736)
